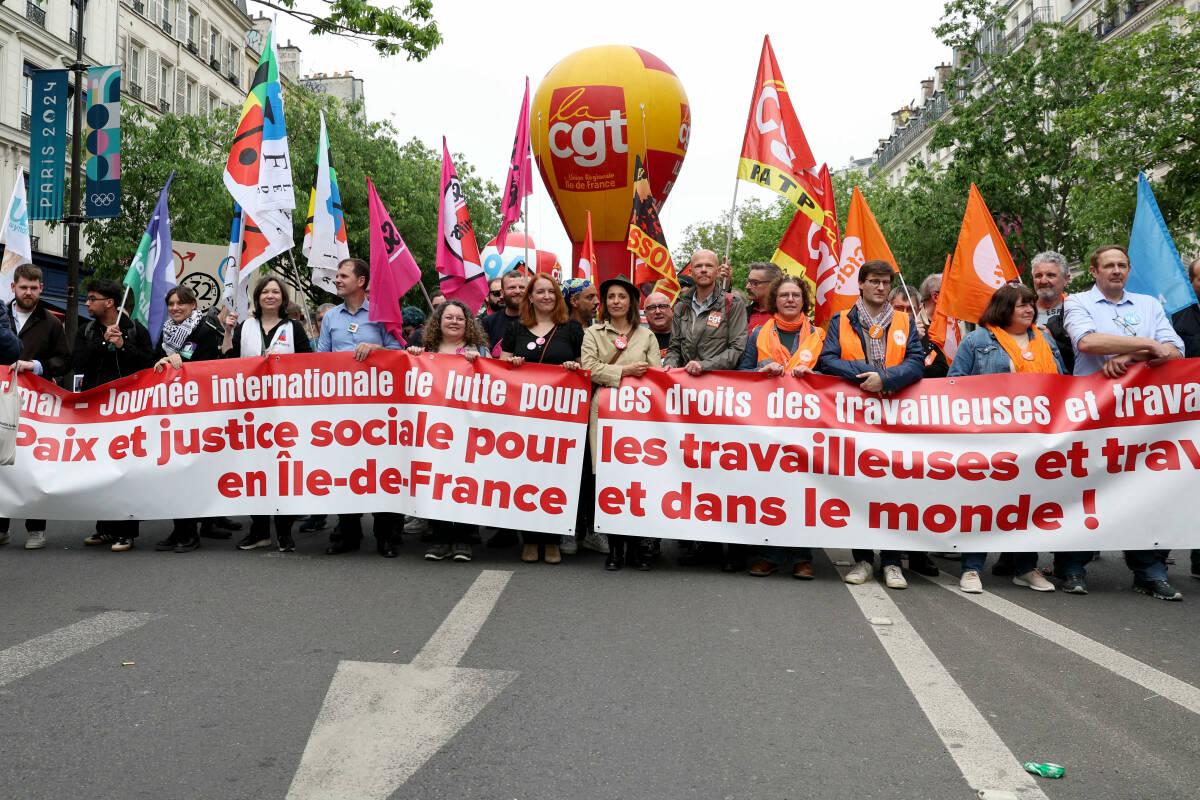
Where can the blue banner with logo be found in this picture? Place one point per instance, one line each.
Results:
(48, 144)
(103, 143)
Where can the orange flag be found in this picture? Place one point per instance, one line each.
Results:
(943, 328)
(587, 254)
(775, 152)
(981, 263)
(863, 241)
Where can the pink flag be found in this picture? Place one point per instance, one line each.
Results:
(458, 259)
(393, 269)
(520, 178)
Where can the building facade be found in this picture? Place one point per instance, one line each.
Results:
(913, 124)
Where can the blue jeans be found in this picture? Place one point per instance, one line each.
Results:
(779, 556)
(1022, 562)
(1072, 563)
(1147, 565)
(887, 558)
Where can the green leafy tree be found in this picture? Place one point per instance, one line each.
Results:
(391, 30)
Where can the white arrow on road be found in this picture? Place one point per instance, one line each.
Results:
(380, 722)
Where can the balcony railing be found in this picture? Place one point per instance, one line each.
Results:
(215, 63)
(1014, 37)
(164, 106)
(934, 109)
(26, 122)
(73, 38)
(192, 48)
(139, 7)
(35, 244)
(35, 13)
(135, 91)
(166, 26)
(1106, 23)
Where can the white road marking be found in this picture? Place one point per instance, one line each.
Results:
(984, 760)
(23, 659)
(1118, 663)
(380, 723)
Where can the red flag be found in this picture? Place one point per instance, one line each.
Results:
(775, 152)
(393, 269)
(520, 175)
(458, 262)
(810, 246)
(587, 254)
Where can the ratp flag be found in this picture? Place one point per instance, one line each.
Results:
(17, 250)
(811, 244)
(325, 244)
(152, 272)
(520, 175)
(458, 262)
(1156, 268)
(393, 269)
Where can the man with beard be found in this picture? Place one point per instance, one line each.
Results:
(512, 284)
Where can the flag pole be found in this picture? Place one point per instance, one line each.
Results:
(121, 308)
(538, 129)
(303, 306)
(729, 231)
(425, 292)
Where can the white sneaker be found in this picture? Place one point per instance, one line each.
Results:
(970, 583)
(1034, 580)
(860, 573)
(36, 540)
(893, 578)
(568, 546)
(416, 525)
(596, 541)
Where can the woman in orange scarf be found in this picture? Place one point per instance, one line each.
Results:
(1006, 341)
(786, 344)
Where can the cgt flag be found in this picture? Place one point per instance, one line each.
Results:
(325, 244)
(809, 248)
(393, 269)
(646, 240)
(981, 263)
(775, 152)
(458, 262)
(863, 241)
(520, 175)
(1157, 269)
(258, 172)
(152, 271)
(587, 254)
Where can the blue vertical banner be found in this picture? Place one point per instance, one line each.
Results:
(48, 144)
(103, 143)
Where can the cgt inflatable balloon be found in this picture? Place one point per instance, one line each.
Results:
(586, 126)
(496, 264)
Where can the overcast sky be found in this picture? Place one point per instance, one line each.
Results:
(847, 63)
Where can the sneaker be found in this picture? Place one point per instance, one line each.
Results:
(1160, 590)
(461, 552)
(568, 546)
(1033, 580)
(970, 583)
(416, 525)
(188, 545)
(596, 541)
(860, 573)
(121, 545)
(4, 538)
(1074, 584)
(36, 540)
(439, 552)
(99, 538)
(893, 577)
(286, 543)
(167, 545)
(253, 541)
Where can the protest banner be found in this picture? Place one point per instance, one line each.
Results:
(433, 436)
(987, 463)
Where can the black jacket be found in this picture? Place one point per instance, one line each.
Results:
(10, 345)
(99, 362)
(205, 339)
(1187, 324)
(43, 339)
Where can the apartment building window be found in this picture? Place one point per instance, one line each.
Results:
(214, 48)
(191, 98)
(136, 57)
(193, 30)
(164, 86)
(168, 14)
(26, 95)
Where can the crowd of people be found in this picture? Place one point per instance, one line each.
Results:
(614, 330)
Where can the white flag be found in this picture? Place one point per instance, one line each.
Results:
(17, 250)
(325, 244)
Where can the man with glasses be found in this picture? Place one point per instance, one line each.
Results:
(758, 284)
(658, 319)
(1110, 329)
(879, 348)
(112, 345)
(495, 298)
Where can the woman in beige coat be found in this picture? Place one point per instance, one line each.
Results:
(614, 347)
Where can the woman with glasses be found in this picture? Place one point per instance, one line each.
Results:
(787, 343)
(1007, 341)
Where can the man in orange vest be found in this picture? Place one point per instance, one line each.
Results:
(880, 349)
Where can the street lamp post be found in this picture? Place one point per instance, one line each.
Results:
(75, 218)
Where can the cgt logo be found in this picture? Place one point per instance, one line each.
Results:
(587, 126)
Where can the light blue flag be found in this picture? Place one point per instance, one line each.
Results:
(1157, 268)
(152, 272)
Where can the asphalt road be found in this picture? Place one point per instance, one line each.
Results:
(678, 683)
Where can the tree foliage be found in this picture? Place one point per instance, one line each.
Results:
(410, 30)
(407, 176)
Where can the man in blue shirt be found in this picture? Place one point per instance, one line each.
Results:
(347, 328)
(1110, 329)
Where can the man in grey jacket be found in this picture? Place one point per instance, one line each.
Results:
(709, 328)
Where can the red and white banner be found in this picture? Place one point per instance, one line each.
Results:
(988, 463)
(431, 436)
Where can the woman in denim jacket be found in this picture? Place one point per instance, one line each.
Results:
(1007, 341)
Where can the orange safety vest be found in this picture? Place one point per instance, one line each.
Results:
(809, 341)
(897, 340)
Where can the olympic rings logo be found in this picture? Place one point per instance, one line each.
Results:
(102, 200)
